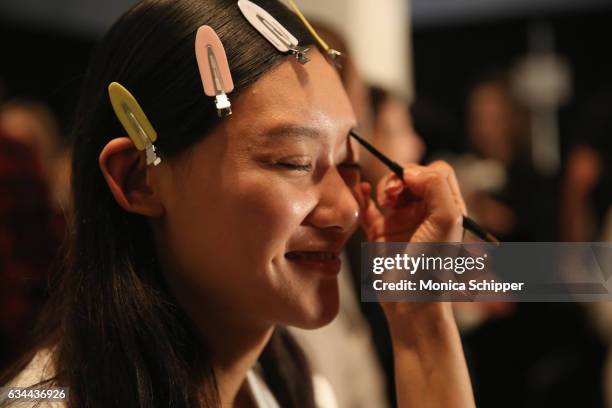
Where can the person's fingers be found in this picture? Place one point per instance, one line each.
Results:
(427, 200)
(390, 194)
(388, 190)
(398, 225)
(391, 186)
(435, 190)
(449, 172)
(401, 223)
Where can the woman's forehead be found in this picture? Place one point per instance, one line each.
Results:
(292, 94)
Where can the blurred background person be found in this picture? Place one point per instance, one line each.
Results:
(392, 133)
(502, 187)
(32, 123)
(512, 199)
(29, 242)
(34, 193)
(587, 199)
(587, 185)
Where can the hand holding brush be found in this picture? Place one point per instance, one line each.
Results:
(408, 187)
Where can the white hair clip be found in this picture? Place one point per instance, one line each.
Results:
(272, 30)
(214, 69)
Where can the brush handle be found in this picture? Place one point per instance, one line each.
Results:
(468, 223)
(393, 166)
(471, 225)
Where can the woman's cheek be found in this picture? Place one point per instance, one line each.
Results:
(272, 210)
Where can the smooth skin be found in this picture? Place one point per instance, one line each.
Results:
(269, 182)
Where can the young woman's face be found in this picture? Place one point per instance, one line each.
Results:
(257, 212)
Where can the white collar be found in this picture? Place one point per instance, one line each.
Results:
(259, 390)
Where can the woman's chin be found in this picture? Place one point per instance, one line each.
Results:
(319, 311)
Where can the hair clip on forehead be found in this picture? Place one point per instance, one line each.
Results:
(134, 121)
(272, 30)
(214, 69)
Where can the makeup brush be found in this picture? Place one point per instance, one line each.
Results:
(468, 223)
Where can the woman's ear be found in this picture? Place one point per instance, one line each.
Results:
(125, 171)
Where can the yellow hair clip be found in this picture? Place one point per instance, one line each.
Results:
(333, 54)
(134, 121)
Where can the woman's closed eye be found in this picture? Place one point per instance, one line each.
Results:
(293, 166)
(298, 164)
(349, 170)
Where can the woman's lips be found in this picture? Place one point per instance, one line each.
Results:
(321, 261)
(311, 255)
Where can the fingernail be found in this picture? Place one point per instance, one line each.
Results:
(394, 188)
(412, 172)
(394, 184)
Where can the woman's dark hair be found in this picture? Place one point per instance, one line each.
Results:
(118, 337)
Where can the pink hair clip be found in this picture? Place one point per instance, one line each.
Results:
(214, 69)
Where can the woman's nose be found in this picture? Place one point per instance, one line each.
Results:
(337, 207)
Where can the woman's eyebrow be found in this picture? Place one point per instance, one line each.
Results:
(293, 130)
(304, 132)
